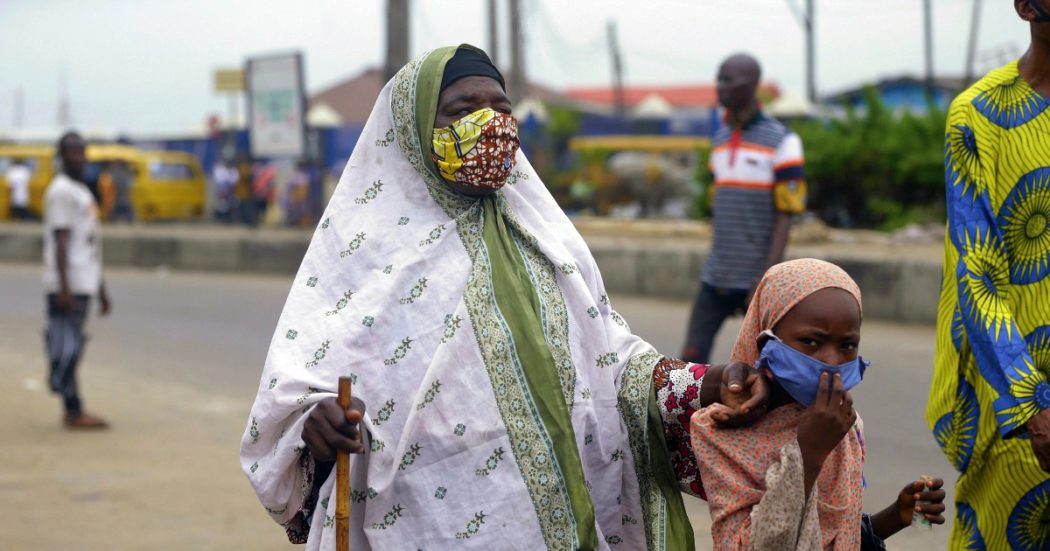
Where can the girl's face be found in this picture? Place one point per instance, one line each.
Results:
(825, 325)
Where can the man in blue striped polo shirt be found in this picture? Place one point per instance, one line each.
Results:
(758, 184)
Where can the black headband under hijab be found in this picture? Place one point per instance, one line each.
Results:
(469, 63)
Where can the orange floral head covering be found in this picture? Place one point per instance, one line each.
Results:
(782, 287)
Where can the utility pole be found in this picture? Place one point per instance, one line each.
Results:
(807, 19)
(811, 54)
(397, 35)
(928, 35)
(971, 51)
(617, 69)
(493, 33)
(518, 87)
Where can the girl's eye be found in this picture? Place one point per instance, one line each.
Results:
(849, 346)
(808, 341)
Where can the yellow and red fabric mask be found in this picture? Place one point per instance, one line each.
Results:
(478, 150)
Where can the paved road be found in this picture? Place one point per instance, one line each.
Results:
(177, 366)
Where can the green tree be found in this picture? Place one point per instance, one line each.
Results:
(875, 168)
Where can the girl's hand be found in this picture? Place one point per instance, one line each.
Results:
(932, 506)
(825, 421)
(898, 516)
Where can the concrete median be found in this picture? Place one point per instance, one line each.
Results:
(649, 258)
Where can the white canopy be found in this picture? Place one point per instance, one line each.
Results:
(322, 114)
(653, 106)
(791, 105)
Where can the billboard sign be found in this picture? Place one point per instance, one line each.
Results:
(228, 80)
(276, 106)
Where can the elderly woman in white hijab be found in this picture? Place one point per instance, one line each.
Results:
(509, 406)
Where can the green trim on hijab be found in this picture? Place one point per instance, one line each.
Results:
(520, 306)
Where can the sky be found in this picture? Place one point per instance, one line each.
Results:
(145, 66)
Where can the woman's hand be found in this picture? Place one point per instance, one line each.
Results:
(823, 425)
(745, 393)
(329, 429)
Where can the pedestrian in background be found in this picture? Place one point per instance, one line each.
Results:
(121, 177)
(107, 196)
(243, 190)
(264, 176)
(73, 274)
(18, 176)
(758, 174)
(224, 178)
(989, 405)
(297, 196)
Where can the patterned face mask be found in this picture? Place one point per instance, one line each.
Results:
(478, 150)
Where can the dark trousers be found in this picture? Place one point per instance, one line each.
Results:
(713, 305)
(20, 213)
(122, 211)
(64, 340)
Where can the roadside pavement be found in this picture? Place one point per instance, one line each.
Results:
(165, 477)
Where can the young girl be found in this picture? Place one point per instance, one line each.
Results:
(793, 480)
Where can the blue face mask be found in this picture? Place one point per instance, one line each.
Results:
(799, 374)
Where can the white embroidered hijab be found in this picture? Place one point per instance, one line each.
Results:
(469, 447)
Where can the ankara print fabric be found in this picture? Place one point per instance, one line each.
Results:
(677, 385)
(404, 288)
(477, 150)
(993, 323)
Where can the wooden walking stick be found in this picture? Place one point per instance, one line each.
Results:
(342, 480)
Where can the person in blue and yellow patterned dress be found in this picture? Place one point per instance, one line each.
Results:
(989, 405)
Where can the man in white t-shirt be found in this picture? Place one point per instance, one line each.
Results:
(73, 274)
(17, 176)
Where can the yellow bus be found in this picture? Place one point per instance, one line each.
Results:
(166, 185)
